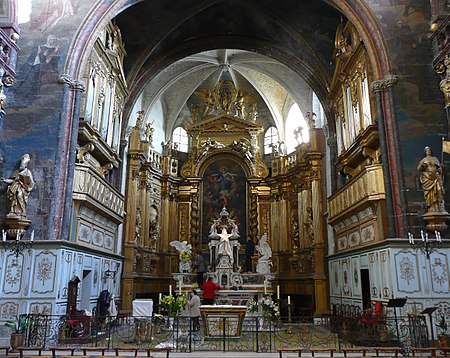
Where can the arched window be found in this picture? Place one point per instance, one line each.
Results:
(270, 138)
(296, 129)
(180, 138)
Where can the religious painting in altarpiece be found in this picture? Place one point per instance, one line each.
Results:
(224, 185)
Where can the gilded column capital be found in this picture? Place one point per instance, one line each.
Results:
(384, 84)
(74, 85)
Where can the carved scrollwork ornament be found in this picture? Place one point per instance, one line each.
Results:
(83, 151)
(384, 84)
(74, 85)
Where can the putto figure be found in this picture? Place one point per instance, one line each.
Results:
(19, 187)
(431, 179)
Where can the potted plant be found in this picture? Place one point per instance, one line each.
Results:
(441, 324)
(19, 329)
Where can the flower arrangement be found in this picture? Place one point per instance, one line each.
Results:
(172, 305)
(186, 256)
(269, 307)
(252, 306)
(157, 319)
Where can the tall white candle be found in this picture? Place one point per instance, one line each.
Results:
(265, 288)
(170, 290)
(278, 292)
(179, 291)
(160, 297)
(289, 300)
(32, 236)
(4, 235)
(17, 236)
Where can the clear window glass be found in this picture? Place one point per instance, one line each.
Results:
(296, 129)
(181, 139)
(270, 138)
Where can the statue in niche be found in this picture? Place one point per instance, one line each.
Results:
(265, 252)
(253, 114)
(137, 228)
(153, 233)
(240, 105)
(20, 186)
(432, 184)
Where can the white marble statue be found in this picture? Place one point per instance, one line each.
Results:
(224, 244)
(185, 251)
(265, 255)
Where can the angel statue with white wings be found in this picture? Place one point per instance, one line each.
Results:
(185, 251)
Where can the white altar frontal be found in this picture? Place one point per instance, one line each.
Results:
(223, 320)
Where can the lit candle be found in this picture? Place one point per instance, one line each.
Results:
(289, 300)
(278, 292)
(4, 235)
(421, 234)
(265, 288)
(160, 297)
(32, 236)
(17, 236)
(170, 290)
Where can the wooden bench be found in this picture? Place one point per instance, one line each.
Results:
(5, 348)
(430, 351)
(330, 351)
(160, 349)
(28, 350)
(126, 349)
(384, 350)
(56, 351)
(88, 350)
(298, 350)
(361, 350)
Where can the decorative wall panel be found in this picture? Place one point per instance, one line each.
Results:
(9, 310)
(406, 268)
(44, 272)
(43, 308)
(439, 273)
(356, 279)
(13, 274)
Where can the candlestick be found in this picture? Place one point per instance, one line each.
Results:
(278, 292)
(289, 327)
(170, 290)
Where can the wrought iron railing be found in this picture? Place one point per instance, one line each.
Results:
(259, 334)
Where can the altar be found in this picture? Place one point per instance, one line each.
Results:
(223, 320)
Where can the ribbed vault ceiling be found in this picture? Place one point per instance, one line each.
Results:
(277, 52)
